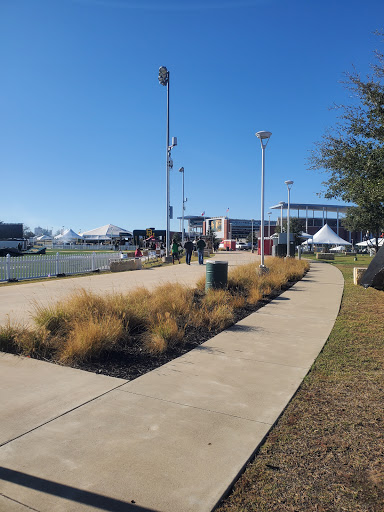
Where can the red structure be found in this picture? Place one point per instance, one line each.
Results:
(268, 243)
(229, 245)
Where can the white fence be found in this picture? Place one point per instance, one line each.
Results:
(36, 266)
(92, 247)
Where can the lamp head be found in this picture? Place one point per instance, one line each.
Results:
(263, 135)
(163, 75)
(181, 169)
(289, 183)
(264, 138)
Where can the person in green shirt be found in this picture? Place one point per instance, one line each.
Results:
(175, 252)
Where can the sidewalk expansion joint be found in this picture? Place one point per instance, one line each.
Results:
(195, 407)
(62, 414)
(19, 502)
(262, 361)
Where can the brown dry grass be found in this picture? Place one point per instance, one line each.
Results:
(84, 325)
(88, 337)
(326, 453)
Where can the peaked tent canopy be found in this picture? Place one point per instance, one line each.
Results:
(326, 235)
(371, 243)
(107, 232)
(68, 236)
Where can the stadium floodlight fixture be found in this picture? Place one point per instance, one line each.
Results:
(163, 75)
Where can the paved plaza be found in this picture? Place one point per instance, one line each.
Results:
(173, 440)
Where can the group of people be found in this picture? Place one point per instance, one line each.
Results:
(188, 247)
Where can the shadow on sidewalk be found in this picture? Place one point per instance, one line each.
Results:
(98, 501)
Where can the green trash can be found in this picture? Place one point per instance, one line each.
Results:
(216, 274)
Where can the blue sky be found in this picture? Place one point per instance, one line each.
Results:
(83, 117)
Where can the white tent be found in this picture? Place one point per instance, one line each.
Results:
(44, 238)
(371, 243)
(68, 236)
(107, 232)
(326, 235)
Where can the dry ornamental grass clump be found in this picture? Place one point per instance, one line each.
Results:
(85, 325)
(88, 337)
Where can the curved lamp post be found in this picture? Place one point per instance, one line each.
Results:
(264, 138)
(289, 184)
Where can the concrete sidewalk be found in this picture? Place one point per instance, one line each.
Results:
(172, 440)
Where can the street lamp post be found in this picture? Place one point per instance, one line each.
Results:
(252, 237)
(182, 214)
(281, 215)
(289, 184)
(269, 224)
(264, 138)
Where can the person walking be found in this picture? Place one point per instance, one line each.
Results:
(188, 246)
(200, 250)
(175, 252)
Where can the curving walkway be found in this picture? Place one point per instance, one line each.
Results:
(172, 440)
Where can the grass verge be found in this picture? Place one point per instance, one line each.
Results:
(326, 452)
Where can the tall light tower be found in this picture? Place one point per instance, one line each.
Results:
(289, 184)
(183, 203)
(264, 138)
(164, 80)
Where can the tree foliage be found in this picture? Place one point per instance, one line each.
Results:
(352, 153)
(296, 226)
(27, 233)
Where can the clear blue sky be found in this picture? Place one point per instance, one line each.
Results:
(83, 117)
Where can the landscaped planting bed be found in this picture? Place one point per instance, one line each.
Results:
(127, 335)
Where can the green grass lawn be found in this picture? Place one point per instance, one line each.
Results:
(326, 453)
(73, 251)
(362, 260)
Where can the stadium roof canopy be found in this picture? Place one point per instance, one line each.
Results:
(333, 208)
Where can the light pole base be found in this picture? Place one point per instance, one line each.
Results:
(263, 270)
(167, 259)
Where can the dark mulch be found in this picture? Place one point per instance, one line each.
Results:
(130, 361)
